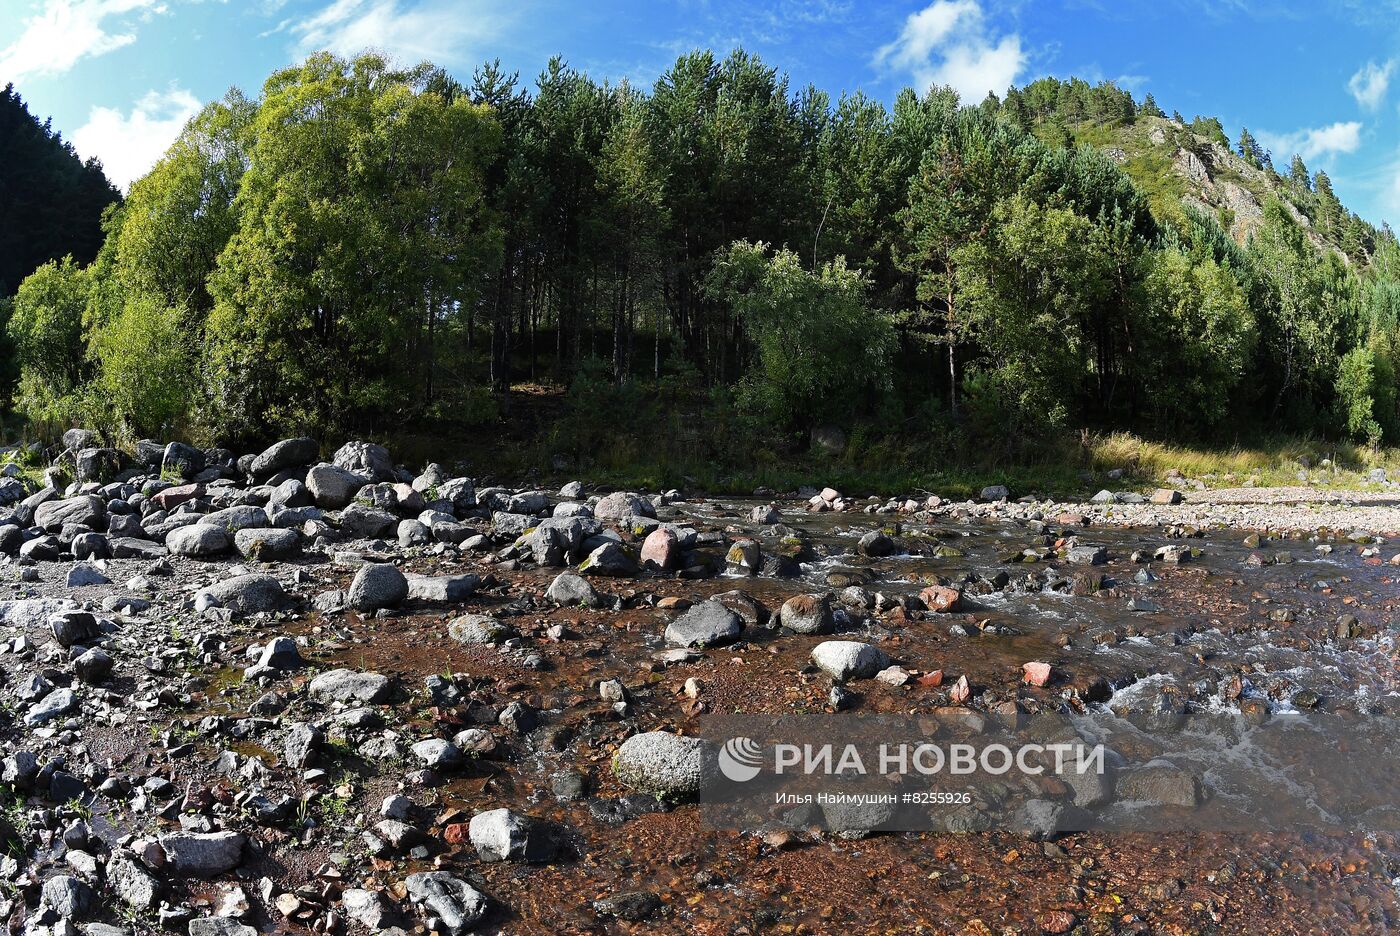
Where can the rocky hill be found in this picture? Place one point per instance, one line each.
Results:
(1215, 179)
(1181, 164)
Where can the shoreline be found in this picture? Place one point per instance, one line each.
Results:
(1300, 510)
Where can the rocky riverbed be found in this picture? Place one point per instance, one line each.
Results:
(276, 692)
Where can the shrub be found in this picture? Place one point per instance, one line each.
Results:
(145, 376)
(1366, 394)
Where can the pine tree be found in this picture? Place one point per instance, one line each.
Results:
(1250, 149)
(1150, 108)
(51, 201)
(1298, 172)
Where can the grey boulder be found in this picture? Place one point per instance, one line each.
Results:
(343, 685)
(288, 453)
(844, 660)
(198, 541)
(377, 585)
(662, 763)
(203, 854)
(708, 624)
(244, 594)
(457, 904)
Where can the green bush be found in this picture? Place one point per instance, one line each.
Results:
(823, 354)
(1366, 395)
(145, 381)
(46, 327)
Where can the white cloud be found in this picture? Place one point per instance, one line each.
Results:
(1370, 84)
(1314, 142)
(130, 144)
(948, 43)
(62, 32)
(436, 30)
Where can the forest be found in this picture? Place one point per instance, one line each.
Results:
(719, 262)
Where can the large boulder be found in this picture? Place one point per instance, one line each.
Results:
(661, 550)
(263, 545)
(132, 883)
(203, 854)
(32, 612)
(97, 464)
(365, 458)
(502, 835)
(12, 490)
(708, 624)
(87, 510)
(609, 559)
(454, 902)
(333, 487)
(69, 897)
(245, 594)
(289, 494)
(181, 461)
(622, 505)
(460, 492)
(845, 660)
(56, 704)
(662, 763)
(807, 614)
(344, 685)
(238, 517)
(289, 453)
(442, 588)
(75, 440)
(547, 545)
(367, 522)
(1159, 783)
(377, 585)
(198, 540)
(572, 590)
(71, 627)
(479, 629)
(217, 926)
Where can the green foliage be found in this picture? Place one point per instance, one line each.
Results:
(1306, 306)
(9, 355)
(1356, 385)
(823, 355)
(1026, 285)
(363, 248)
(1202, 329)
(46, 324)
(1367, 393)
(46, 328)
(145, 374)
(360, 224)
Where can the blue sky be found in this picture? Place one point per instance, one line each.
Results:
(119, 77)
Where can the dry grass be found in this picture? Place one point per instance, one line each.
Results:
(1273, 461)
